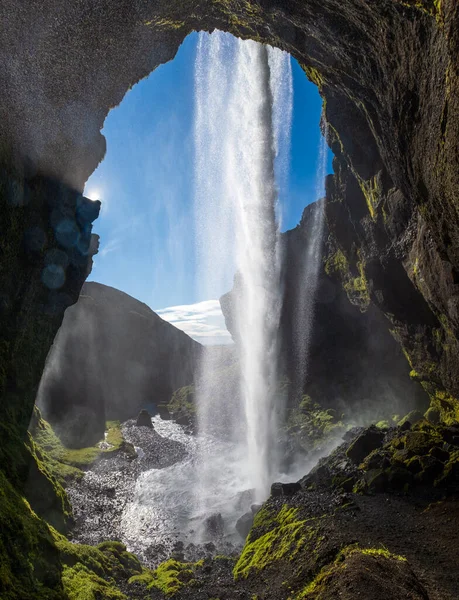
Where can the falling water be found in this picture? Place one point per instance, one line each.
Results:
(307, 284)
(243, 89)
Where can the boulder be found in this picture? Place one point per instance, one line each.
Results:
(144, 419)
(365, 443)
(412, 417)
(244, 524)
(214, 525)
(285, 489)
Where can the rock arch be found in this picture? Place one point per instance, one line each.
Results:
(388, 73)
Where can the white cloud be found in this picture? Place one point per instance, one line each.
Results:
(110, 246)
(203, 321)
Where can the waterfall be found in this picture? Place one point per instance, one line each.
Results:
(305, 292)
(243, 115)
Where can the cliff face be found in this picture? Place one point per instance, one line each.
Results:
(388, 72)
(352, 363)
(112, 356)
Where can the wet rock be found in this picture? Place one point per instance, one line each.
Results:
(433, 415)
(144, 419)
(242, 500)
(440, 454)
(214, 525)
(285, 489)
(369, 440)
(412, 417)
(244, 524)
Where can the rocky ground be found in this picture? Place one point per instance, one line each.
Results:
(98, 500)
(374, 520)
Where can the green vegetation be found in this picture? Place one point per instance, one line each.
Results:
(314, 75)
(287, 537)
(90, 573)
(357, 287)
(337, 263)
(312, 424)
(371, 192)
(66, 463)
(183, 400)
(169, 577)
(29, 561)
(334, 571)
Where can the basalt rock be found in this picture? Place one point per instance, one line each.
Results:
(244, 524)
(144, 419)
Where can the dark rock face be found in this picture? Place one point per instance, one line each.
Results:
(111, 356)
(285, 489)
(353, 363)
(144, 419)
(365, 443)
(214, 526)
(244, 524)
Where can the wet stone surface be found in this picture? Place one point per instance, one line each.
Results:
(129, 497)
(100, 498)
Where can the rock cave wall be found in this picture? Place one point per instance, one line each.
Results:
(388, 72)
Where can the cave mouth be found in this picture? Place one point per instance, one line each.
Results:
(148, 226)
(146, 182)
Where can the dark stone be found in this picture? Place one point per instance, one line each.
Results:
(244, 524)
(369, 440)
(214, 526)
(440, 454)
(399, 478)
(405, 426)
(144, 419)
(285, 489)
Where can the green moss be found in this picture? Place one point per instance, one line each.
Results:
(284, 541)
(370, 190)
(68, 462)
(337, 263)
(183, 400)
(82, 584)
(169, 577)
(314, 75)
(44, 492)
(340, 565)
(432, 8)
(29, 560)
(444, 403)
(357, 287)
(90, 573)
(162, 23)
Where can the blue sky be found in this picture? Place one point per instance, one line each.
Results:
(145, 184)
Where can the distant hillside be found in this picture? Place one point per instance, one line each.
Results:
(111, 356)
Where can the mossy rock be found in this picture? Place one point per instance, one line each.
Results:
(412, 417)
(30, 565)
(170, 577)
(433, 415)
(365, 573)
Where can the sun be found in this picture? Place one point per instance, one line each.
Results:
(93, 194)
